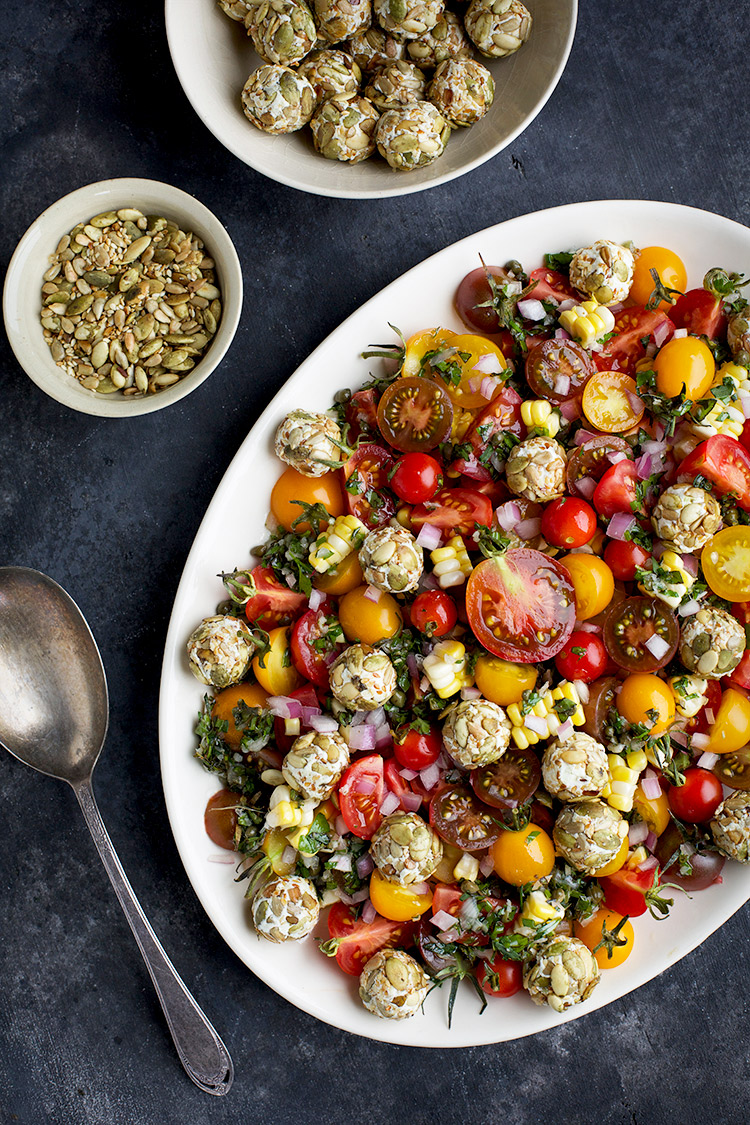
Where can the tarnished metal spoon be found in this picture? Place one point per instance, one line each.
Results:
(54, 711)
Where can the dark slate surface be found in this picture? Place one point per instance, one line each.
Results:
(652, 105)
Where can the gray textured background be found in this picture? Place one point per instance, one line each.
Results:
(653, 105)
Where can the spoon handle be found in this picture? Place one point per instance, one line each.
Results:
(201, 1051)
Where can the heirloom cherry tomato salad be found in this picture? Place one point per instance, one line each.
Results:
(484, 691)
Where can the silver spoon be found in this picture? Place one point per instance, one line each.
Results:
(54, 711)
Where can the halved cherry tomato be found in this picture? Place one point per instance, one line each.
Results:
(500, 977)
(521, 605)
(292, 487)
(616, 491)
(701, 313)
(416, 477)
(510, 781)
(625, 890)
(502, 415)
(361, 794)
(734, 769)
(593, 583)
(462, 819)
(611, 402)
(590, 461)
(454, 511)
(458, 372)
(502, 681)
(274, 670)
(415, 750)
(395, 902)
(361, 412)
(600, 702)
(684, 366)
(358, 941)
(682, 864)
(698, 798)
(623, 556)
(366, 478)
(433, 612)
(422, 347)
(312, 662)
(273, 603)
(584, 657)
(630, 624)
(644, 698)
(220, 818)
(551, 285)
(568, 522)
(446, 898)
(558, 369)
(615, 863)
(724, 462)
(523, 856)
(369, 615)
(397, 784)
(670, 270)
(591, 933)
(252, 695)
(472, 296)
(343, 578)
(726, 563)
(634, 331)
(415, 414)
(731, 728)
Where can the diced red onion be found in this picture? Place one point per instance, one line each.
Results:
(361, 895)
(372, 593)
(324, 724)
(369, 913)
(569, 409)
(531, 309)
(650, 841)
(290, 580)
(316, 599)
(710, 716)
(637, 405)
(583, 690)
(650, 349)
(561, 334)
(342, 862)
(375, 717)
(488, 364)
(527, 529)
(424, 684)
(661, 333)
(289, 855)
(659, 431)
(616, 455)
(656, 447)
(539, 726)
(487, 387)
(429, 581)
(429, 536)
(648, 864)
(471, 693)
(588, 627)
(389, 804)
(707, 760)
(583, 436)
(680, 737)
(420, 888)
(453, 934)
(508, 515)
(680, 333)
(690, 563)
(383, 736)
(644, 466)
(411, 802)
(408, 775)
(364, 865)
(223, 857)
(744, 397)
(441, 357)
(568, 303)
(657, 646)
(430, 776)
(561, 384)
(411, 664)
(308, 714)
(565, 729)
(620, 524)
(486, 865)
(688, 608)
(362, 737)
(637, 833)
(358, 718)
(700, 741)
(651, 788)
(443, 920)
(469, 914)
(340, 825)
(283, 707)
(475, 383)
(586, 486)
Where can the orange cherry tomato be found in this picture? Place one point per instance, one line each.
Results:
(593, 582)
(346, 576)
(670, 269)
(726, 563)
(643, 694)
(731, 729)
(614, 864)
(501, 681)
(395, 902)
(591, 934)
(611, 402)
(686, 364)
(654, 811)
(251, 694)
(292, 486)
(523, 856)
(369, 615)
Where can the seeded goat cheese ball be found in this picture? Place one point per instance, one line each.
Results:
(373, 49)
(446, 40)
(730, 827)
(589, 834)
(690, 694)
(393, 985)
(603, 271)
(343, 128)
(330, 72)
(391, 559)
(308, 442)
(220, 651)
(408, 19)
(476, 732)
(315, 764)
(338, 20)
(413, 136)
(535, 469)
(395, 85)
(277, 100)
(463, 91)
(712, 643)
(563, 973)
(286, 909)
(575, 767)
(498, 27)
(282, 31)
(235, 9)
(362, 678)
(686, 517)
(405, 849)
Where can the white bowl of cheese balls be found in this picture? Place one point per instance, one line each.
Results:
(368, 98)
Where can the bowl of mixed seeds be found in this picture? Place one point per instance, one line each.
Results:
(368, 98)
(122, 297)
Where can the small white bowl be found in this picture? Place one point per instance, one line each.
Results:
(23, 284)
(213, 58)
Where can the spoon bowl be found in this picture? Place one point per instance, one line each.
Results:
(54, 712)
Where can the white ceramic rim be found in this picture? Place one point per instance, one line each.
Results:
(184, 17)
(23, 282)
(234, 519)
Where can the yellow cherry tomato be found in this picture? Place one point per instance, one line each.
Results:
(502, 682)
(276, 846)
(654, 811)
(444, 872)
(421, 344)
(345, 577)
(369, 615)
(593, 581)
(291, 486)
(611, 401)
(614, 864)
(641, 695)
(395, 902)
(591, 933)
(726, 563)
(251, 694)
(470, 350)
(731, 730)
(274, 670)
(671, 271)
(523, 856)
(684, 364)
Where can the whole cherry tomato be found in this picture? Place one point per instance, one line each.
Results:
(433, 612)
(622, 556)
(698, 798)
(416, 477)
(568, 522)
(415, 750)
(584, 657)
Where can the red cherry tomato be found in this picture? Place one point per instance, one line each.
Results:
(361, 794)
(434, 613)
(416, 477)
(633, 332)
(622, 556)
(616, 492)
(308, 661)
(361, 412)
(551, 286)
(498, 977)
(701, 313)
(416, 751)
(625, 890)
(273, 603)
(472, 296)
(723, 461)
(503, 415)
(397, 784)
(584, 657)
(454, 511)
(358, 941)
(698, 799)
(415, 414)
(307, 697)
(568, 522)
(365, 479)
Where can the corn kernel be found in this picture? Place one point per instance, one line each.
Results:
(587, 322)
(333, 545)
